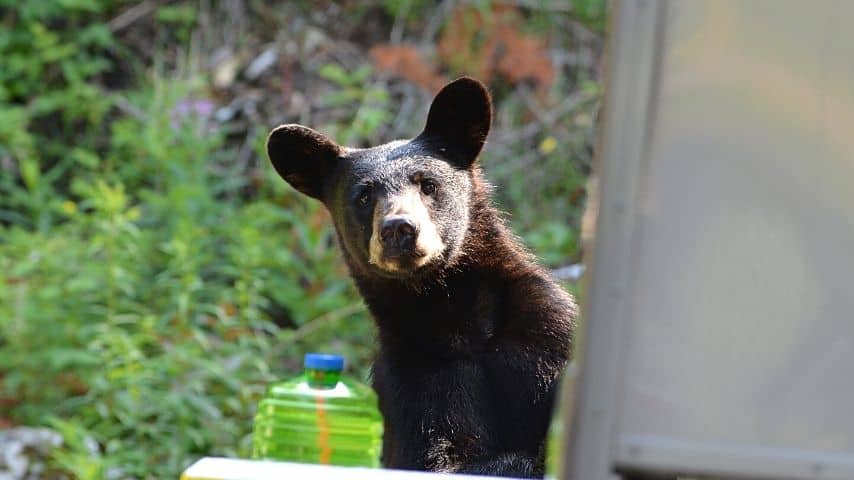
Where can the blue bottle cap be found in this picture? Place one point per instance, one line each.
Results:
(324, 361)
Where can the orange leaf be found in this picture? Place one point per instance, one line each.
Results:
(488, 42)
(407, 62)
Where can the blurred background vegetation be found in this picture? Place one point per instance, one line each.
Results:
(155, 274)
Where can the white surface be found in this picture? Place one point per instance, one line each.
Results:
(213, 468)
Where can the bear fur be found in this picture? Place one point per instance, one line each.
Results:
(473, 334)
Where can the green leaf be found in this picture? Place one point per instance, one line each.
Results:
(85, 158)
(335, 74)
(30, 172)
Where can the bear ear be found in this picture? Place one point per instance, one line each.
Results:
(303, 157)
(460, 117)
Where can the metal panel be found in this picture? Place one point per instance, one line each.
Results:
(720, 336)
(629, 84)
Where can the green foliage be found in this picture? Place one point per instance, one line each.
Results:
(48, 99)
(542, 185)
(149, 311)
(145, 301)
(179, 18)
(410, 10)
(590, 12)
(372, 108)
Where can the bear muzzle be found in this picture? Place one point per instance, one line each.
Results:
(400, 246)
(404, 238)
(399, 234)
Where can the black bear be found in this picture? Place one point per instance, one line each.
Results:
(473, 333)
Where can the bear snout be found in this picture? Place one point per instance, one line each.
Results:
(399, 233)
(404, 237)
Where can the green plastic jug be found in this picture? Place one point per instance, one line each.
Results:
(319, 417)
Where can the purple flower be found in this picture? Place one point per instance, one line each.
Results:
(201, 109)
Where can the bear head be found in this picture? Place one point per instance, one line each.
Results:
(402, 209)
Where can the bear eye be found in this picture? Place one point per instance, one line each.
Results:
(428, 187)
(364, 197)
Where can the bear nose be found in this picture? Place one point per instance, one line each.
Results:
(398, 232)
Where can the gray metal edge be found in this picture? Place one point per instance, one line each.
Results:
(728, 460)
(633, 49)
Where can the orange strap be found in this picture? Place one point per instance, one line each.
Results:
(323, 432)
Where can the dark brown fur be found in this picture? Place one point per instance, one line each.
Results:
(471, 345)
